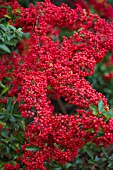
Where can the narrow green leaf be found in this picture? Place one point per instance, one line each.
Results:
(2, 85)
(100, 106)
(10, 105)
(90, 153)
(32, 148)
(12, 27)
(5, 90)
(3, 115)
(2, 26)
(94, 109)
(110, 165)
(105, 152)
(12, 119)
(4, 48)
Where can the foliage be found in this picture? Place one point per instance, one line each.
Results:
(102, 79)
(26, 3)
(110, 2)
(11, 133)
(10, 36)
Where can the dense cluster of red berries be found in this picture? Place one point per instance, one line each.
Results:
(47, 66)
(103, 7)
(12, 167)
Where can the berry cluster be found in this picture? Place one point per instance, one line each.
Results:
(47, 66)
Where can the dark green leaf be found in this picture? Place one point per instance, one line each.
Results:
(100, 133)
(11, 43)
(4, 140)
(3, 115)
(68, 165)
(10, 10)
(110, 2)
(90, 153)
(105, 152)
(110, 165)
(32, 148)
(10, 105)
(12, 119)
(4, 134)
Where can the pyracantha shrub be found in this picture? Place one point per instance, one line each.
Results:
(47, 66)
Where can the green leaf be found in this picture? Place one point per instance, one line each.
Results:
(90, 130)
(109, 114)
(26, 35)
(90, 153)
(32, 148)
(4, 48)
(18, 10)
(5, 90)
(10, 10)
(94, 109)
(11, 43)
(4, 134)
(100, 106)
(12, 27)
(7, 16)
(10, 105)
(3, 115)
(110, 2)
(68, 165)
(97, 158)
(80, 29)
(100, 133)
(19, 32)
(106, 119)
(105, 152)
(12, 119)
(3, 123)
(2, 26)
(2, 165)
(2, 85)
(91, 161)
(9, 36)
(110, 165)
(4, 140)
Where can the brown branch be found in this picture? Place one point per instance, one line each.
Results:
(62, 106)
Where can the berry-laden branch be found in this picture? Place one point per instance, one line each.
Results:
(45, 66)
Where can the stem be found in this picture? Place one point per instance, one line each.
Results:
(62, 106)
